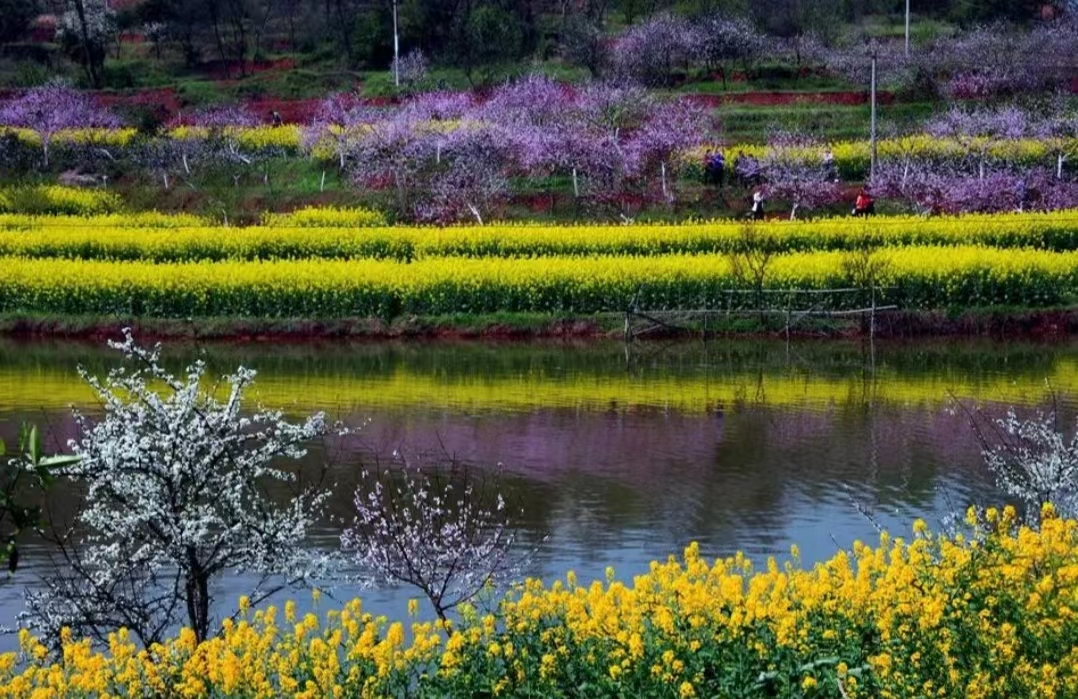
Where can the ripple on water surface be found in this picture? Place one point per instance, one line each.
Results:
(622, 456)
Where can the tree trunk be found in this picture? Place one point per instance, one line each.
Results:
(198, 597)
(91, 66)
(217, 38)
(291, 26)
(346, 38)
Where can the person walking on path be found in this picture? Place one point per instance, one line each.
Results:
(711, 159)
(714, 168)
(758, 205)
(864, 204)
(830, 172)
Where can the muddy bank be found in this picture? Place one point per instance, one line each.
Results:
(993, 323)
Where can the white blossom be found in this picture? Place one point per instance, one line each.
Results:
(444, 533)
(176, 496)
(1034, 462)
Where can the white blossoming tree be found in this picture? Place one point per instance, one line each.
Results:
(1033, 461)
(176, 495)
(444, 532)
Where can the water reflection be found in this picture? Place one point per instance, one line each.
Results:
(620, 457)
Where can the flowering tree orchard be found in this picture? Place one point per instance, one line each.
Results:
(669, 130)
(794, 175)
(410, 69)
(948, 189)
(449, 156)
(49, 109)
(175, 496)
(800, 183)
(652, 51)
(333, 126)
(471, 176)
(993, 61)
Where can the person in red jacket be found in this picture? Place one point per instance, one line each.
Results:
(865, 205)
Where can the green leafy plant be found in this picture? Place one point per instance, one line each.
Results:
(27, 469)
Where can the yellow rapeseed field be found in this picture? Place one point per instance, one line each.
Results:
(358, 233)
(336, 263)
(22, 203)
(922, 277)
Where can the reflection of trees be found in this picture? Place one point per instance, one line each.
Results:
(590, 474)
(640, 484)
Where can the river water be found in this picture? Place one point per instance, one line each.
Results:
(619, 455)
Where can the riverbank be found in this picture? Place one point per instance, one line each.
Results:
(995, 322)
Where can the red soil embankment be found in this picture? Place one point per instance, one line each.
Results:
(170, 106)
(229, 70)
(163, 99)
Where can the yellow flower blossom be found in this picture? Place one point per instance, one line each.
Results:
(915, 606)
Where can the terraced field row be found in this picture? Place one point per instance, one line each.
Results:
(922, 277)
(355, 234)
(320, 266)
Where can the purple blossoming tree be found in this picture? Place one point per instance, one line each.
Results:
(439, 106)
(334, 125)
(410, 68)
(471, 177)
(722, 40)
(948, 189)
(669, 130)
(794, 172)
(651, 52)
(49, 109)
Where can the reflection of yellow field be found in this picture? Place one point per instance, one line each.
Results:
(408, 390)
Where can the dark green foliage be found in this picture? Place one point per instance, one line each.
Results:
(584, 44)
(971, 12)
(483, 39)
(28, 470)
(489, 35)
(15, 18)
